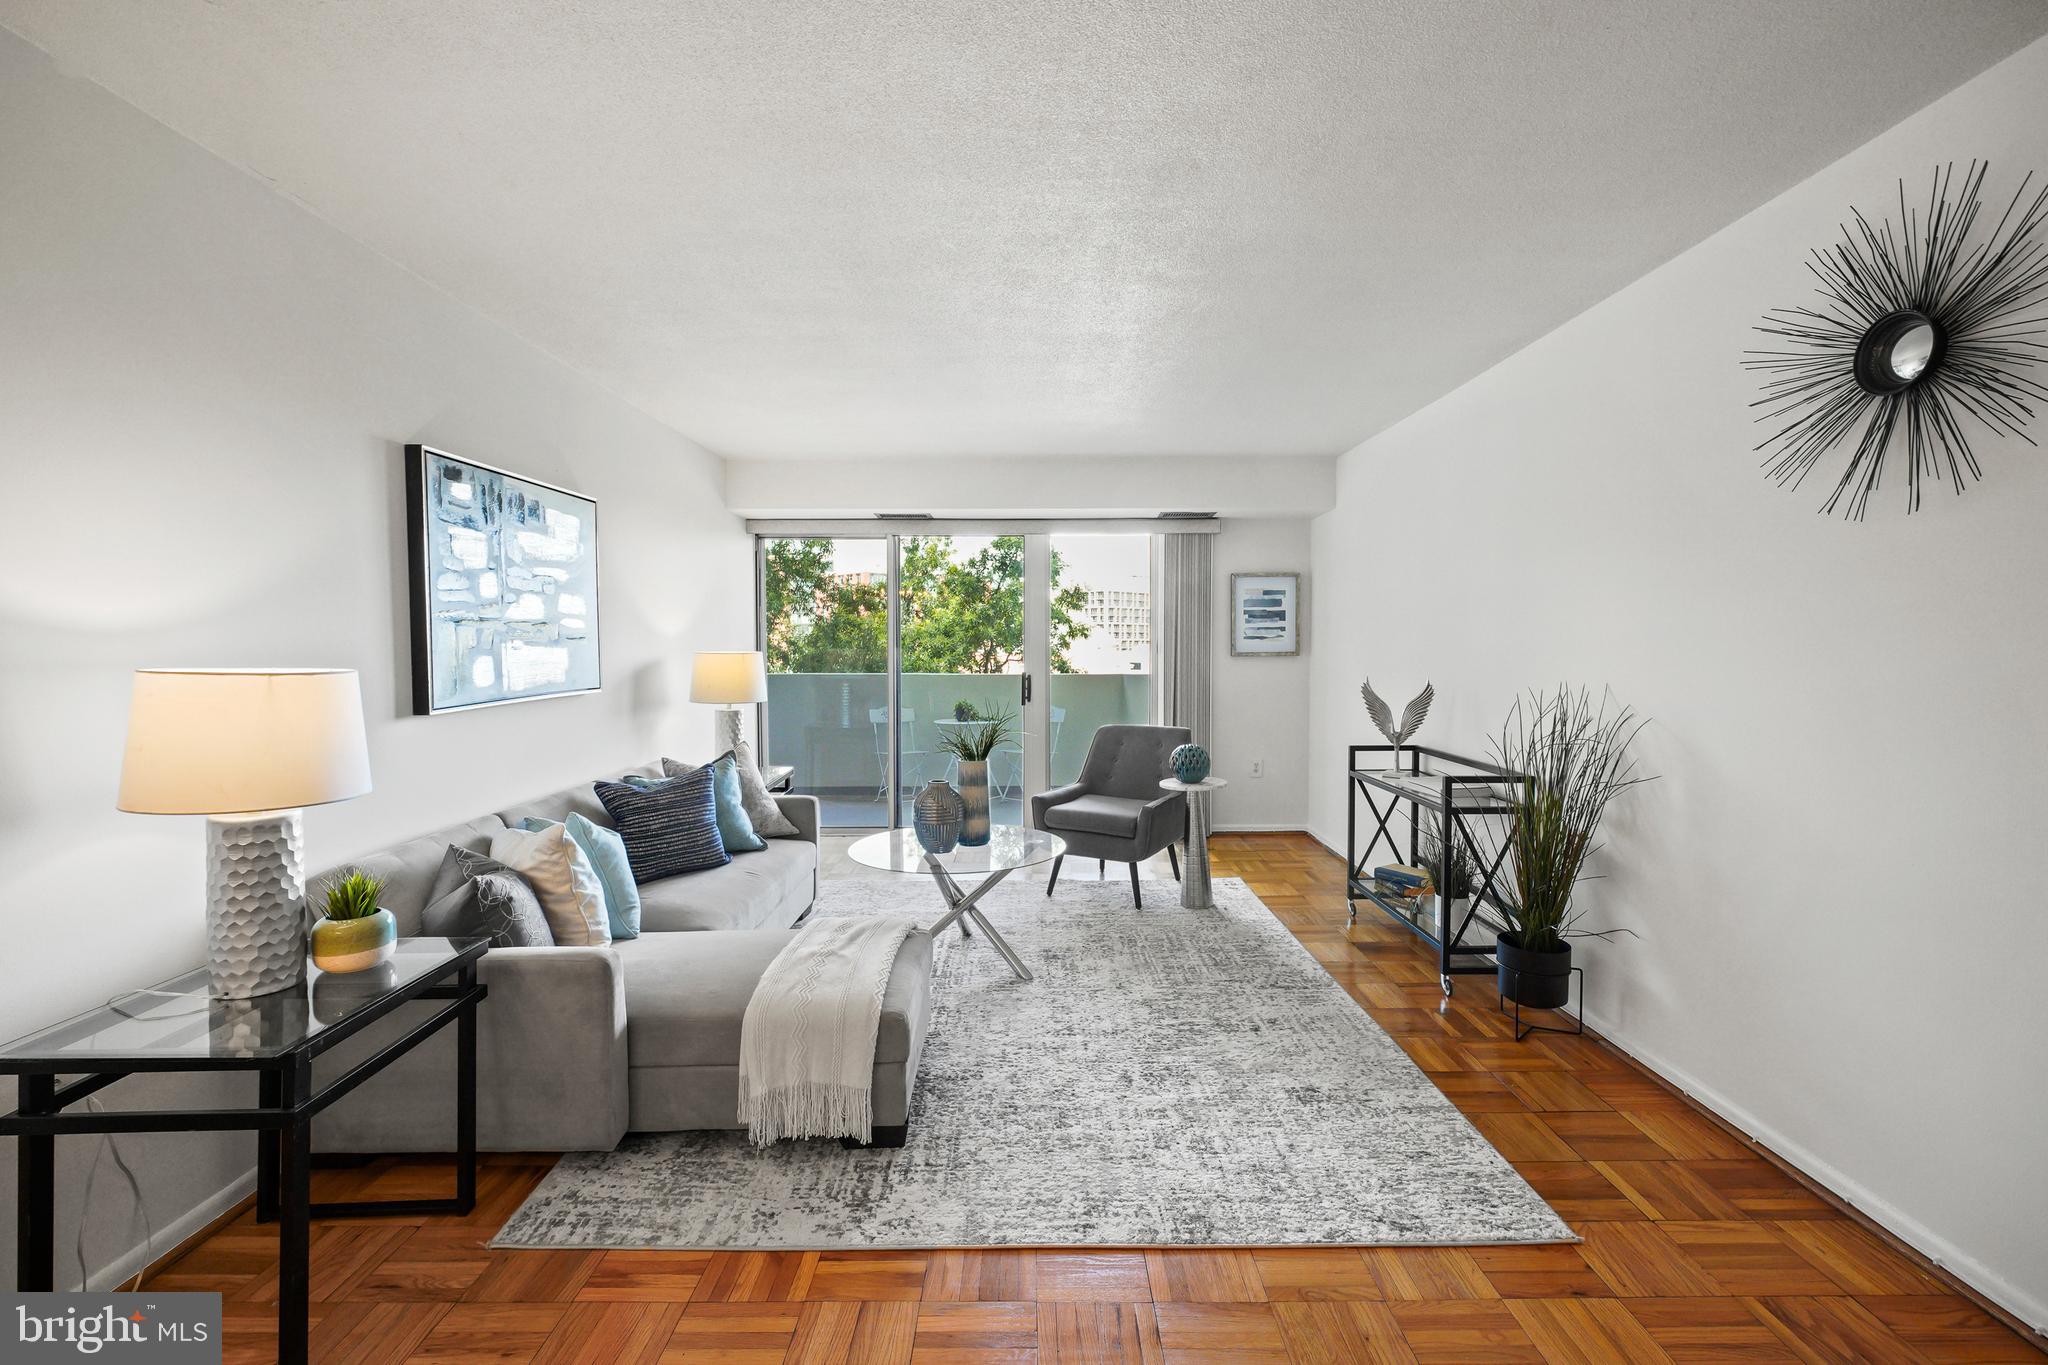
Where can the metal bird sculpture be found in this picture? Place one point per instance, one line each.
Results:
(1411, 718)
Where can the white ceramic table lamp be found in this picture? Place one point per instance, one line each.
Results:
(247, 748)
(729, 679)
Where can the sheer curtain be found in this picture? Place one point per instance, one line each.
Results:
(1185, 622)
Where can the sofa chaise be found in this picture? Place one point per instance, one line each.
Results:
(578, 1046)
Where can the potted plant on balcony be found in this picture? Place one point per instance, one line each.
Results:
(1575, 758)
(972, 744)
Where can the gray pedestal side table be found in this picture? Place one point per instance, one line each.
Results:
(1194, 878)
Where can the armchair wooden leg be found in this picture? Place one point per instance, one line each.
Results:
(1054, 879)
(1137, 896)
(1174, 859)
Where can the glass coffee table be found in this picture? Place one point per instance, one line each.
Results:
(1009, 847)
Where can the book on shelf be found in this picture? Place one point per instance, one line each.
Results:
(1401, 874)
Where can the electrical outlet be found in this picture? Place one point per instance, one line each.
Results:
(1258, 767)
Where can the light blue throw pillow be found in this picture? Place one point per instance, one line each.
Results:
(607, 854)
(734, 826)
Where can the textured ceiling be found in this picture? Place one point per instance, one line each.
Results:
(1041, 227)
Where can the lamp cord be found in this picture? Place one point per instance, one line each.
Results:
(107, 1144)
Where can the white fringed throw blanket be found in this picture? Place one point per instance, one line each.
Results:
(807, 1043)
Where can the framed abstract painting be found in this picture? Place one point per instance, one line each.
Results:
(1265, 613)
(504, 585)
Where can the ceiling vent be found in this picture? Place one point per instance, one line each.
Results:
(1187, 516)
(903, 516)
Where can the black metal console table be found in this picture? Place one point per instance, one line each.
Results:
(178, 1026)
(1467, 789)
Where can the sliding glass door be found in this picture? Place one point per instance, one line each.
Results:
(882, 649)
(825, 630)
(1101, 626)
(960, 660)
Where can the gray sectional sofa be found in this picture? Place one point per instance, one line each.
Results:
(578, 1046)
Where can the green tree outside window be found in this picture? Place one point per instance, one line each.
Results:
(959, 616)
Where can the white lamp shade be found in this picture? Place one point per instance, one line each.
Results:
(223, 741)
(729, 678)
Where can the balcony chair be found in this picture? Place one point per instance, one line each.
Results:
(1115, 811)
(911, 775)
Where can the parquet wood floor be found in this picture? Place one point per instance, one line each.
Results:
(1696, 1248)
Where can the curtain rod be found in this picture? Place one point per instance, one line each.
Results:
(854, 528)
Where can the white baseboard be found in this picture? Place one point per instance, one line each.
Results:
(2019, 1302)
(2007, 1295)
(1238, 827)
(125, 1267)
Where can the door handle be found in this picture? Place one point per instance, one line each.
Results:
(1027, 688)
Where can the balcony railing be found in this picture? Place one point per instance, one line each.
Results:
(823, 725)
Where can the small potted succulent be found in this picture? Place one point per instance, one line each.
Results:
(963, 711)
(355, 933)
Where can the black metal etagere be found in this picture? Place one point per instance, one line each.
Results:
(1467, 789)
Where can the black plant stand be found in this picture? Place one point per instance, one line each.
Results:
(1523, 1031)
(1457, 791)
(179, 1027)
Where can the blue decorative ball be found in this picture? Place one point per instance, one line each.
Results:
(1190, 763)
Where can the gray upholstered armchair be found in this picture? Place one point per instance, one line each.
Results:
(1116, 812)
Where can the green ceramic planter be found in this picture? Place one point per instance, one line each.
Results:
(354, 945)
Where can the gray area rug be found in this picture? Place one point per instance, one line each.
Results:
(1172, 1078)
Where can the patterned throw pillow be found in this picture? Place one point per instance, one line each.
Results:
(458, 907)
(735, 830)
(563, 879)
(509, 914)
(668, 828)
(759, 803)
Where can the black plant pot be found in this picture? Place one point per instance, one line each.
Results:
(1537, 981)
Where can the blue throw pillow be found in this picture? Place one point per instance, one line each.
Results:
(607, 854)
(735, 826)
(669, 828)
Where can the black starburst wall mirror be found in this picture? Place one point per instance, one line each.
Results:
(1923, 331)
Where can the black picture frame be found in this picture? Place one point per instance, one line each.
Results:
(434, 691)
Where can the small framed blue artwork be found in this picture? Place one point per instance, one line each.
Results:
(504, 585)
(1265, 613)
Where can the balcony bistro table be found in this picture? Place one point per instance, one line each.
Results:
(179, 1026)
(1009, 847)
(1194, 879)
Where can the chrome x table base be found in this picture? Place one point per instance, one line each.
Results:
(962, 909)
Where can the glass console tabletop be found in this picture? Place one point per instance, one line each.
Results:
(180, 1020)
(1009, 847)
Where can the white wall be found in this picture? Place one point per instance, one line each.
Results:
(1135, 485)
(1259, 706)
(1835, 881)
(206, 396)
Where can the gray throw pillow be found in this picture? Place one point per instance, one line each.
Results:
(767, 818)
(509, 914)
(460, 905)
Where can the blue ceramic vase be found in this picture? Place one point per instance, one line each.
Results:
(1190, 763)
(936, 817)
